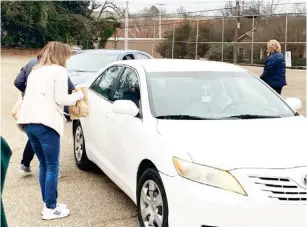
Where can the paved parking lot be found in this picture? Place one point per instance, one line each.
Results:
(93, 199)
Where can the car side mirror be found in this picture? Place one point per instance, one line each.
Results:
(294, 103)
(125, 107)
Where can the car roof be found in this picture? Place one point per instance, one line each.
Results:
(176, 65)
(109, 51)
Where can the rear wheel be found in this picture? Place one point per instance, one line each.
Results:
(81, 159)
(151, 200)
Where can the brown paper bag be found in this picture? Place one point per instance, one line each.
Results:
(15, 111)
(16, 108)
(80, 109)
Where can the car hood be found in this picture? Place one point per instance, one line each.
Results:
(231, 144)
(81, 77)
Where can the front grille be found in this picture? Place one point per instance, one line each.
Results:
(284, 190)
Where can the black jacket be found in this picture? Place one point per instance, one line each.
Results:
(21, 80)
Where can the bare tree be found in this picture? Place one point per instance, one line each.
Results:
(145, 22)
(300, 8)
(251, 7)
(109, 7)
(229, 9)
(182, 11)
(270, 7)
(93, 6)
(143, 28)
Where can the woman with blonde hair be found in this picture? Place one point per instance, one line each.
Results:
(41, 116)
(21, 84)
(274, 73)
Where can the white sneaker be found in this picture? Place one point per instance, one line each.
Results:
(24, 170)
(51, 214)
(63, 206)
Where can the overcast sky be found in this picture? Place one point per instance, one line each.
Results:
(195, 5)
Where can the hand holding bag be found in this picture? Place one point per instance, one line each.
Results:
(80, 109)
(16, 108)
(15, 111)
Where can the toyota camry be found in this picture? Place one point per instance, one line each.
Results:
(196, 144)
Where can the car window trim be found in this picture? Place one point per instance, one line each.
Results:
(141, 53)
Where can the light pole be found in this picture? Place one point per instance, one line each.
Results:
(126, 23)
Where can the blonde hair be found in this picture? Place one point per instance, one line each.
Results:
(54, 53)
(273, 46)
(41, 52)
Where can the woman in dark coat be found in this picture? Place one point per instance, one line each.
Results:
(274, 73)
(5, 160)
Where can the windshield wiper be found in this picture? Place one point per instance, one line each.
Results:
(183, 117)
(251, 116)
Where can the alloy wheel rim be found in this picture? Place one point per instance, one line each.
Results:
(151, 204)
(79, 144)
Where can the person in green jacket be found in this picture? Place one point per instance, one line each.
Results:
(5, 160)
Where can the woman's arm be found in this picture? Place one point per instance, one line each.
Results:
(267, 69)
(61, 90)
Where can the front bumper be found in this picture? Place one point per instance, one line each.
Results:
(196, 205)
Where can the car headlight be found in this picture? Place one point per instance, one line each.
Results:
(208, 175)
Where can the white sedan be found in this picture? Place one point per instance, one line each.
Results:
(197, 144)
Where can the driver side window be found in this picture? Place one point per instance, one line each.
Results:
(128, 87)
(104, 83)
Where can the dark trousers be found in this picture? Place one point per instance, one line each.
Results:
(277, 89)
(28, 155)
(46, 145)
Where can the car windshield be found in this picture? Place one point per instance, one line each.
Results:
(90, 62)
(212, 95)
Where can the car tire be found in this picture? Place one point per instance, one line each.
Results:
(151, 182)
(81, 159)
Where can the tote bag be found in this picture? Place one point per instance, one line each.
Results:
(80, 109)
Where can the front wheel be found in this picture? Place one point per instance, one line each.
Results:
(151, 200)
(81, 159)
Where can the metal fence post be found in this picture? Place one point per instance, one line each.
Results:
(286, 33)
(196, 44)
(252, 50)
(153, 38)
(223, 30)
(173, 43)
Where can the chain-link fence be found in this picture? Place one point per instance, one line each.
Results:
(214, 38)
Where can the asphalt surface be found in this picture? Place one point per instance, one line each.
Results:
(94, 200)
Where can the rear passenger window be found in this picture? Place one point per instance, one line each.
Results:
(128, 57)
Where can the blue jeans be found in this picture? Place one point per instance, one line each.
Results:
(46, 145)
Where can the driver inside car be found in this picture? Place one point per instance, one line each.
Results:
(219, 99)
(133, 95)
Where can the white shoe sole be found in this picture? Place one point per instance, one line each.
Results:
(53, 217)
(24, 173)
(64, 206)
